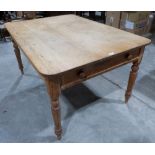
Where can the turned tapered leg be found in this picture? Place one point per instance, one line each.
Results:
(132, 79)
(133, 75)
(54, 92)
(18, 56)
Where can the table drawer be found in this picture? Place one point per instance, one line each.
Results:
(80, 74)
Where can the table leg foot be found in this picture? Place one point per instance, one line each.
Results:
(58, 133)
(54, 92)
(57, 118)
(18, 56)
(132, 79)
(127, 96)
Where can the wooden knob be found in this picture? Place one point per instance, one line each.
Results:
(129, 56)
(82, 74)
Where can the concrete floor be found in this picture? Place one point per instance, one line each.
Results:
(91, 112)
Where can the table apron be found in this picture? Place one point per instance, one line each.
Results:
(76, 76)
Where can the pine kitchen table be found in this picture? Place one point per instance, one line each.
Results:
(66, 50)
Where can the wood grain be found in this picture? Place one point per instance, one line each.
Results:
(88, 71)
(66, 50)
(133, 74)
(58, 44)
(54, 91)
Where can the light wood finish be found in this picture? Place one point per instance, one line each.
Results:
(66, 50)
(71, 77)
(133, 75)
(54, 92)
(132, 78)
(77, 41)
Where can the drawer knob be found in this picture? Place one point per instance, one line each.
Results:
(82, 74)
(129, 56)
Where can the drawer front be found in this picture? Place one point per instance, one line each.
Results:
(77, 75)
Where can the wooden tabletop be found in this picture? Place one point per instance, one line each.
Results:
(58, 44)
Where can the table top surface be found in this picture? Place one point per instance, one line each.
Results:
(61, 43)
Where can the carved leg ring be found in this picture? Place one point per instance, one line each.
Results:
(54, 92)
(132, 79)
(18, 56)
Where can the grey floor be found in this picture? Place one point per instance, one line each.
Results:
(93, 111)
